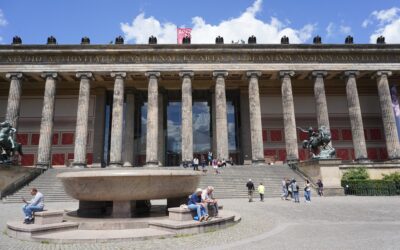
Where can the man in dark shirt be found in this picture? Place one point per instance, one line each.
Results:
(250, 188)
(195, 203)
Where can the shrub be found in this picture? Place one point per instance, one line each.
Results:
(392, 177)
(370, 187)
(356, 174)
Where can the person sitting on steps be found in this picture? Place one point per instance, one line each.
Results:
(34, 205)
(195, 203)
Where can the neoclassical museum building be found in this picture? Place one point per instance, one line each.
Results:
(161, 104)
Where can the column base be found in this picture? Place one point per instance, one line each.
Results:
(43, 165)
(152, 164)
(115, 164)
(362, 160)
(258, 162)
(79, 164)
(394, 159)
(127, 164)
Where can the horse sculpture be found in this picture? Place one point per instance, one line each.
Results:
(8, 146)
(318, 143)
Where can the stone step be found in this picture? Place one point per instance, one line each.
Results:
(230, 184)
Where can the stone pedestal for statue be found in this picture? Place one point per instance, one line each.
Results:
(327, 170)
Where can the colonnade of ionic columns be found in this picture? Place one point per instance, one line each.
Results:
(152, 145)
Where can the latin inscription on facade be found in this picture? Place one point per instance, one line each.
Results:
(179, 57)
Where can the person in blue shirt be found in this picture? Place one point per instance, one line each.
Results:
(34, 205)
(196, 204)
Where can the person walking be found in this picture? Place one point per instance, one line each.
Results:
(307, 191)
(295, 190)
(210, 158)
(261, 191)
(215, 166)
(284, 194)
(196, 164)
(203, 164)
(250, 189)
(289, 189)
(320, 187)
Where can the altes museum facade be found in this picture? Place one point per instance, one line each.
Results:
(161, 104)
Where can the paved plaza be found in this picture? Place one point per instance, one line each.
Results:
(326, 223)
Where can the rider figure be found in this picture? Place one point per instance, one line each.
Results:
(9, 132)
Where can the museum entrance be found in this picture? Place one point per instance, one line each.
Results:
(170, 126)
(201, 125)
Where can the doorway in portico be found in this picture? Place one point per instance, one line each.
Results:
(201, 125)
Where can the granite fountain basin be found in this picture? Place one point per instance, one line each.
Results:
(129, 184)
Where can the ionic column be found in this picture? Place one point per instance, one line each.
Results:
(14, 98)
(46, 125)
(187, 124)
(289, 121)
(221, 121)
(320, 99)
(389, 122)
(257, 145)
(129, 131)
(357, 128)
(82, 118)
(117, 120)
(152, 120)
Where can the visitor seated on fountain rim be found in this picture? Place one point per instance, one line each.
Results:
(36, 204)
(195, 203)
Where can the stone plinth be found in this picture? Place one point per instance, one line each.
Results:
(48, 217)
(327, 170)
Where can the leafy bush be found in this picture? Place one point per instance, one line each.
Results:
(356, 174)
(392, 177)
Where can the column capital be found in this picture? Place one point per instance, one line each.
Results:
(317, 73)
(220, 73)
(84, 75)
(150, 74)
(118, 74)
(14, 75)
(284, 73)
(46, 75)
(350, 73)
(251, 74)
(381, 73)
(184, 74)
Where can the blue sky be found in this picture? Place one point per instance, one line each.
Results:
(103, 20)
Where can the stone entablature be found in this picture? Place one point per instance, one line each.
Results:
(203, 54)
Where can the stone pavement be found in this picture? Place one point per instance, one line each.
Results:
(326, 223)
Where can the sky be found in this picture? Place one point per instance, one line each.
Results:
(136, 20)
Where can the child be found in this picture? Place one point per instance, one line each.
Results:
(261, 190)
(215, 166)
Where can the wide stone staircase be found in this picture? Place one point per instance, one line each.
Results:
(47, 183)
(230, 183)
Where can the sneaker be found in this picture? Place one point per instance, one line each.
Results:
(202, 218)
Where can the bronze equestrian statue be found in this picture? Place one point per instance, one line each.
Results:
(318, 143)
(8, 145)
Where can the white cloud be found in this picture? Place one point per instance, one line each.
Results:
(333, 30)
(387, 24)
(3, 21)
(234, 29)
